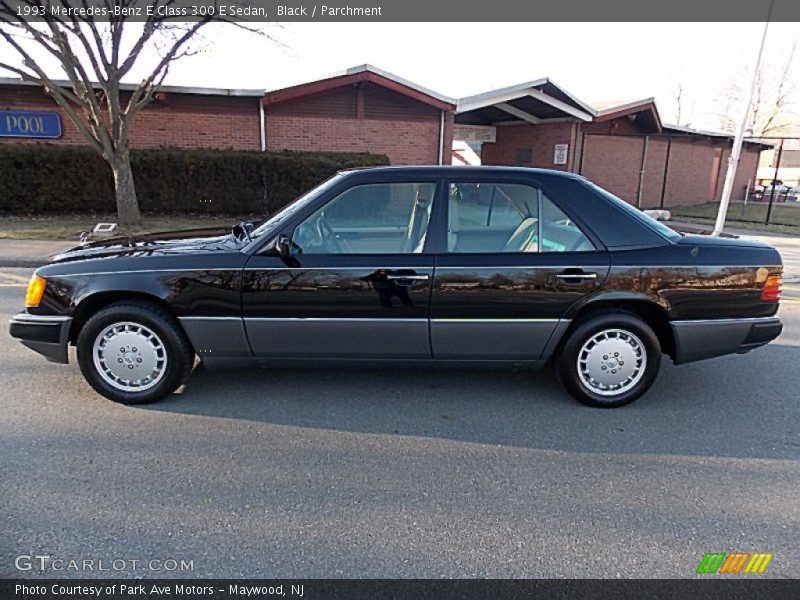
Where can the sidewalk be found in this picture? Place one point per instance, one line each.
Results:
(30, 253)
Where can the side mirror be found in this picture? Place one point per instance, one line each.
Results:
(284, 247)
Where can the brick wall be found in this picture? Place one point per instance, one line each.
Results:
(405, 143)
(366, 118)
(653, 173)
(179, 120)
(691, 167)
(748, 165)
(516, 142)
(610, 154)
(695, 174)
(613, 163)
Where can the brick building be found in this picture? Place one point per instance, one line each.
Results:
(179, 117)
(363, 110)
(624, 148)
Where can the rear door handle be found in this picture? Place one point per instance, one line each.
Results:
(577, 274)
(409, 277)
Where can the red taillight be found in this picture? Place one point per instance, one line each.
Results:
(772, 289)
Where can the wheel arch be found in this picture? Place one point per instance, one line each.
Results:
(651, 312)
(90, 304)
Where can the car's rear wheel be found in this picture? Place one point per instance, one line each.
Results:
(609, 359)
(134, 353)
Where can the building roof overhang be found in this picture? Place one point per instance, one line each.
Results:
(360, 74)
(643, 112)
(533, 102)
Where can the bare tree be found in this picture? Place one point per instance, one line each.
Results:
(774, 104)
(680, 98)
(95, 56)
(684, 107)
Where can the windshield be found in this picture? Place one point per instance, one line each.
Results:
(290, 209)
(662, 229)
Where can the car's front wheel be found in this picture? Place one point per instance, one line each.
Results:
(134, 352)
(609, 359)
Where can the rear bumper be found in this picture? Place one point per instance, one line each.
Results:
(696, 340)
(45, 334)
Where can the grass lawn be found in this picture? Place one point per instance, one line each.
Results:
(69, 227)
(785, 218)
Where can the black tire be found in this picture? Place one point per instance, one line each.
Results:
(176, 347)
(608, 323)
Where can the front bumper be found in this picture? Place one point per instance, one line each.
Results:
(696, 340)
(46, 334)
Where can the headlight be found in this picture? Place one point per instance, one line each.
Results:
(35, 291)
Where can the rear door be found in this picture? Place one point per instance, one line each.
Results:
(510, 265)
(359, 283)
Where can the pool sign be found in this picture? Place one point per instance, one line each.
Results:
(30, 124)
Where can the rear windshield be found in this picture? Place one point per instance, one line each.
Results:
(652, 223)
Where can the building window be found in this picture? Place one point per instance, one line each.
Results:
(524, 156)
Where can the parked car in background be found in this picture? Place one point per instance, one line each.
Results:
(414, 266)
(765, 193)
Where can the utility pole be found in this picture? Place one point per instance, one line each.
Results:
(733, 159)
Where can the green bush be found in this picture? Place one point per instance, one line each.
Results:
(54, 179)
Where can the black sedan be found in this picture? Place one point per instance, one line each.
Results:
(418, 266)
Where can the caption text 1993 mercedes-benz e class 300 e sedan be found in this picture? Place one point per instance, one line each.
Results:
(475, 267)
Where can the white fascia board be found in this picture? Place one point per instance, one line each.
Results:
(575, 99)
(562, 106)
(520, 114)
(500, 95)
(129, 87)
(475, 102)
(410, 84)
(541, 121)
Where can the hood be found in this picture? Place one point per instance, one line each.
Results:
(190, 241)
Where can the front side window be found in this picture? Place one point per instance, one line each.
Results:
(376, 218)
(505, 217)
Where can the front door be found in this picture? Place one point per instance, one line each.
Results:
(512, 264)
(359, 283)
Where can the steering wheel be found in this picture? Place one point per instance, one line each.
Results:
(326, 235)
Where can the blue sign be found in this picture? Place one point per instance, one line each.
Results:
(30, 124)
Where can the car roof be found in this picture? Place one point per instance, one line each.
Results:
(464, 170)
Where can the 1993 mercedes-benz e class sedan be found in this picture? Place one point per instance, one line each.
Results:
(474, 267)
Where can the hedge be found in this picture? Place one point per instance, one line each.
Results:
(52, 179)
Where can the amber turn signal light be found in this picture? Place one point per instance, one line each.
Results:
(772, 289)
(35, 291)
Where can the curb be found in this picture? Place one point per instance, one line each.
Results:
(23, 261)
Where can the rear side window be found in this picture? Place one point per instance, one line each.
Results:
(559, 232)
(490, 218)
(634, 212)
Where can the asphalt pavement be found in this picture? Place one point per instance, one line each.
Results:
(396, 473)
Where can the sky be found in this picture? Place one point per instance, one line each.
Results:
(597, 62)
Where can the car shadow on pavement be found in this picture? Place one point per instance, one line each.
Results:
(738, 406)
